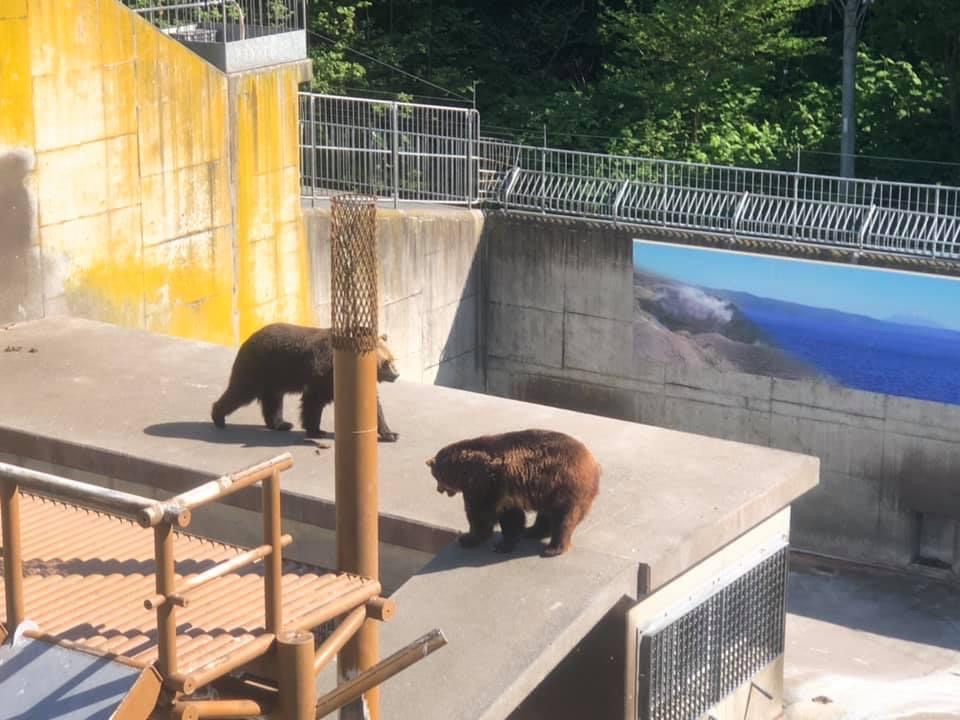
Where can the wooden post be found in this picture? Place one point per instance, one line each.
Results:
(354, 271)
(166, 613)
(298, 690)
(273, 564)
(12, 553)
(355, 428)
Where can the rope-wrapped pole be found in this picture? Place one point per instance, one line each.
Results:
(353, 254)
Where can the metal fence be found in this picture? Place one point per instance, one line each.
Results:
(218, 21)
(818, 209)
(392, 150)
(429, 153)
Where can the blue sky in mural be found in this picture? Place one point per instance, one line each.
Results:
(880, 294)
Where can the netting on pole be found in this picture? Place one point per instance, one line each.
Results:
(353, 269)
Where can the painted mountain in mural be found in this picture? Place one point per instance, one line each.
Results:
(675, 322)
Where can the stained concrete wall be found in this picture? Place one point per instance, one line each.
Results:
(138, 183)
(429, 289)
(560, 313)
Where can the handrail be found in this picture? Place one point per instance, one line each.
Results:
(221, 487)
(179, 596)
(128, 505)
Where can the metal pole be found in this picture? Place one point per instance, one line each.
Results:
(273, 563)
(12, 557)
(395, 155)
(543, 173)
(354, 320)
(298, 689)
(166, 613)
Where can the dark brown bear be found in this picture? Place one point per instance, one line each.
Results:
(503, 476)
(281, 358)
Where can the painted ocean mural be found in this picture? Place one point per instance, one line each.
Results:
(877, 330)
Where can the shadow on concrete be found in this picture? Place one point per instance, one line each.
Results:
(17, 220)
(454, 556)
(888, 603)
(240, 434)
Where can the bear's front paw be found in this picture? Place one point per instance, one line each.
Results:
(316, 434)
(469, 540)
(389, 437)
(550, 551)
(283, 426)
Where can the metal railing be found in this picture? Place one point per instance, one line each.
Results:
(429, 153)
(391, 150)
(221, 21)
(817, 209)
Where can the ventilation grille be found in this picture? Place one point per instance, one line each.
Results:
(687, 665)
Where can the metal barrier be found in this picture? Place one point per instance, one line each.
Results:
(221, 21)
(391, 150)
(428, 153)
(816, 209)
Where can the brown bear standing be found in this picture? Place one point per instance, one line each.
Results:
(281, 358)
(503, 476)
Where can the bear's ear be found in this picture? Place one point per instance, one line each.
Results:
(431, 461)
(384, 337)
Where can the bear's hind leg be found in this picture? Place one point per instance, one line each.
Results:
(512, 521)
(564, 523)
(540, 528)
(271, 402)
(311, 411)
(233, 398)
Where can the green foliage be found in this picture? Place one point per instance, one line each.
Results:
(724, 81)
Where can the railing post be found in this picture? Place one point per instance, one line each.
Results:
(273, 563)
(395, 153)
(511, 181)
(936, 219)
(298, 689)
(543, 173)
(866, 225)
(663, 198)
(738, 212)
(470, 165)
(796, 201)
(314, 175)
(12, 554)
(618, 200)
(166, 613)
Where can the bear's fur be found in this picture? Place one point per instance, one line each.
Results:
(281, 358)
(504, 476)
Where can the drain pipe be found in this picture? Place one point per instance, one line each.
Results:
(354, 266)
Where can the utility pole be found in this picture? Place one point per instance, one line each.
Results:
(854, 12)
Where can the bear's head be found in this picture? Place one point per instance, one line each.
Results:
(386, 362)
(436, 469)
(462, 469)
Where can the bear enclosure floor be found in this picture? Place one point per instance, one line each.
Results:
(127, 404)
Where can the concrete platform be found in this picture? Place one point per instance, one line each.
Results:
(129, 404)
(869, 644)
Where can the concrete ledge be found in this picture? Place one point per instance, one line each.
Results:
(129, 404)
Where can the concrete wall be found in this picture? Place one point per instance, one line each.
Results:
(560, 333)
(135, 178)
(429, 289)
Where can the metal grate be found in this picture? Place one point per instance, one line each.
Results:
(690, 663)
(353, 261)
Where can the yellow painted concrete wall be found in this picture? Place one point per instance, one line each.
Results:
(272, 258)
(118, 150)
